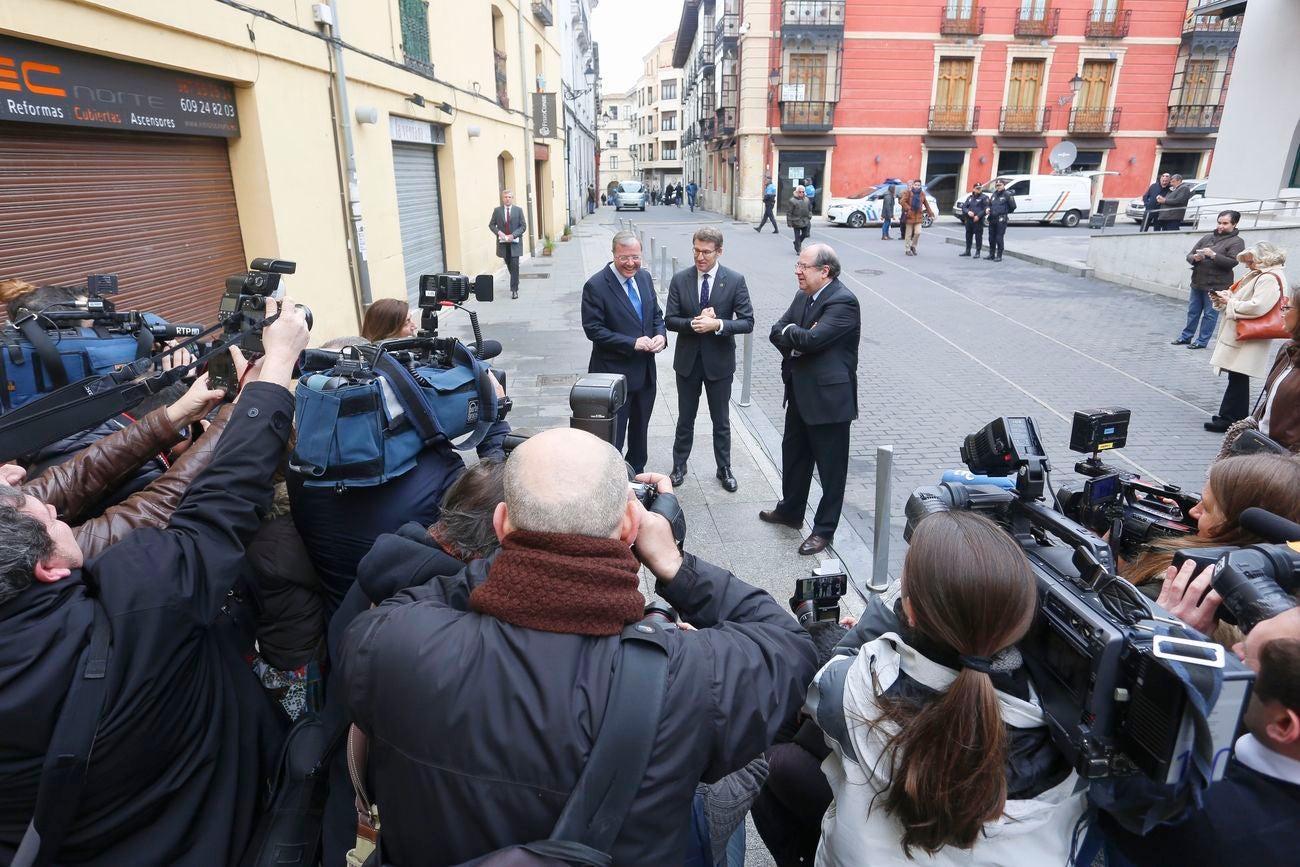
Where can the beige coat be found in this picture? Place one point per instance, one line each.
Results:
(1255, 296)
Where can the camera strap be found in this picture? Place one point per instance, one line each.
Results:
(63, 774)
(28, 323)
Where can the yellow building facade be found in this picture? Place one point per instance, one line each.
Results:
(361, 192)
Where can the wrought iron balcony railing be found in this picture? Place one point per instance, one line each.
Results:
(726, 120)
(804, 116)
(1108, 24)
(543, 12)
(954, 119)
(954, 21)
(1194, 119)
(813, 14)
(1094, 121)
(1024, 120)
(1031, 23)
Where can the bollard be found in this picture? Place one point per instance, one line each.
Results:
(880, 532)
(652, 251)
(747, 374)
(664, 253)
(674, 271)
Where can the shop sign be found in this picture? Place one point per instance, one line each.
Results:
(409, 129)
(43, 84)
(544, 115)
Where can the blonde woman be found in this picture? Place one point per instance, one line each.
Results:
(1255, 295)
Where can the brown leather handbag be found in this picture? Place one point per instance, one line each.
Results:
(1271, 325)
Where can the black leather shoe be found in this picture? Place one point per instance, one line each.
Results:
(991, 257)
(729, 483)
(758, 228)
(772, 516)
(1179, 342)
(1217, 425)
(678, 475)
(1196, 346)
(966, 254)
(514, 295)
(814, 544)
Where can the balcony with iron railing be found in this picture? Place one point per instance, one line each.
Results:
(708, 127)
(543, 12)
(415, 35)
(1211, 32)
(955, 21)
(812, 15)
(727, 29)
(807, 116)
(1194, 119)
(726, 120)
(1107, 23)
(705, 54)
(953, 119)
(1094, 121)
(1039, 23)
(1026, 121)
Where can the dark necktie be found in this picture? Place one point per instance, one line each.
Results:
(507, 228)
(704, 292)
(807, 309)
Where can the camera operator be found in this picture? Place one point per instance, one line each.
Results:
(520, 677)
(340, 525)
(1250, 817)
(937, 740)
(1234, 485)
(182, 736)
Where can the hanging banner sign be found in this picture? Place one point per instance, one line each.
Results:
(544, 116)
(43, 84)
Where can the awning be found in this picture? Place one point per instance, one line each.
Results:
(949, 142)
(1010, 141)
(785, 140)
(1094, 144)
(1187, 144)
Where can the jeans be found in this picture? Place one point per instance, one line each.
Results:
(1199, 309)
(884, 227)
(591, 207)
(691, 198)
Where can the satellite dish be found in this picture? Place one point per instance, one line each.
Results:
(1063, 156)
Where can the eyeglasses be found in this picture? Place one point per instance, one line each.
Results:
(705, 253)
(627, 259)
(799, 266)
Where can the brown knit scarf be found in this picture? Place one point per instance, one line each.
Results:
(560, 582)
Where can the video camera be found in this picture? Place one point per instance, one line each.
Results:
(817, 598)
(242, 314)
(1126, 689)
(1135, 513)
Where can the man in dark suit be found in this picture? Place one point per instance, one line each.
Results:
(625, 325)
(508, 225)
(708, 305)
(818, 339)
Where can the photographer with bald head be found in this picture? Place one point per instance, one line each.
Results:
(480, 717)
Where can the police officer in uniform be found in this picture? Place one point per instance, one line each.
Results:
(1001, 205)
(974, 210)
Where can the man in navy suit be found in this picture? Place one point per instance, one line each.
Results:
(708, 305)
(625, 325)
(818, 339)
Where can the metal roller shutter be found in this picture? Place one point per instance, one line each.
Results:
(158, 211)
(415, 167)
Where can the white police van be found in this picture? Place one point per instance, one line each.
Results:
(863, 209)
(1064, 199)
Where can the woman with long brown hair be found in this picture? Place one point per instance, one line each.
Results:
(1271, 482)
(938, 743)
(387, 318)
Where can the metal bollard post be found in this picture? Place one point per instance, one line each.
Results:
(652, 251)
(664, 251)
(880, 531)
(748, 362)
(674, 265)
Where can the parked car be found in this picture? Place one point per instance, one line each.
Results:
(630, 194)
(1066, 199)
(864, 208)
(1137, 209)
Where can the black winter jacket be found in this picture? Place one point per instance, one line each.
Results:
(479, 729)
(187, 736)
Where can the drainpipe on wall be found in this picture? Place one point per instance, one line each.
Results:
(327, 17)
(529, 159)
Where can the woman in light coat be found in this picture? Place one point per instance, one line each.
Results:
(1256, 294)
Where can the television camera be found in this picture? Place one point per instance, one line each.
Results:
(242, 316)
(1126, 689)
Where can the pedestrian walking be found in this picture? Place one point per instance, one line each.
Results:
(591, 199)
(887, 202)
(692, 189)
(1151, 204)
(654, 195)
(818, 339)
(811, 192)
(602, 200)
(708, 305)
(1173, 204)
(1002, 204)
(915, 208)
(798, 217)
(769, 202)
(679, 194)
(508, 224)
(1251, 297)
(974, 210)
(1212, 259)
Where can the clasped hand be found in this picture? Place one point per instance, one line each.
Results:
(650, 344)
(707, 321)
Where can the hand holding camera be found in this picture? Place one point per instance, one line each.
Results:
(662, 529)
(196, 403)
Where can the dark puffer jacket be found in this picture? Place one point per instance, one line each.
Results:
(479, 729)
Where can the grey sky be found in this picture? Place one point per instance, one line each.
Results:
(626, 30)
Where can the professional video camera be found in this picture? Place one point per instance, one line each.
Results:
(817, 598)
(1126, 689)
(1135, 513)
(49, 348)
(242, 315)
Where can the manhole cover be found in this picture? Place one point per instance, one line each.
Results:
(533, 275)
(868, 272)
(557, 378)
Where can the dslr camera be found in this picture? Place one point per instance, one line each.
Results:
(242, 313)
(1126, 689)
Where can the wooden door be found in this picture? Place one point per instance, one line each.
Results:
(1024, 93)
(1198, 79)
(1094, 97)
(807, 72)
(952, 93)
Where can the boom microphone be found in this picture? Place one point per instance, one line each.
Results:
(1270, 527)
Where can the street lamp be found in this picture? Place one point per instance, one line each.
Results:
(773, 79)
(1076, 85)
(589, 74)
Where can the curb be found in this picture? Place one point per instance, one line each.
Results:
(1079, 270)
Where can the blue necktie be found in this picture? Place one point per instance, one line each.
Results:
(704, 292)
(634, 297)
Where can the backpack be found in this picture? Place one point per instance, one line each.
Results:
(364, 422)
(36, 361)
